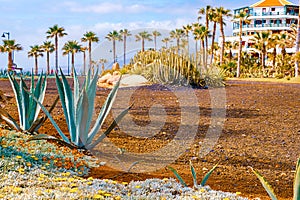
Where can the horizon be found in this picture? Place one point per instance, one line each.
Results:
(28, 21)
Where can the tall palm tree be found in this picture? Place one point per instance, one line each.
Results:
(72, 47)
(187, 30)
(89, 37)
(10, 46)
(229, 46)
(205, 11)
(142, 36)
(114, 36)
(155, 34)
(35, 51)
(125, 33)
(297, 43)
(262, 42)
(166, 40)
(83, 50)
(177, 34)
(48, 47)
(222, 13)
(56, 32)
(213, 17)
(202, 33)
(243, 18)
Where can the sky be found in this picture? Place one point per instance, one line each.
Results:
(27, 21)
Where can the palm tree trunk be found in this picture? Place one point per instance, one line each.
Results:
(56, 53)
(204, 54)
(90, 54)
(274, 56)
(72, 70)
(10, 61)
(188, 44)
(297, 43)
(84, 62)
(143, 45)
(48, 62)
(223, 40)
(36, 65)
(155, 43)
(114, 50)
(213, 41)
(240, 51)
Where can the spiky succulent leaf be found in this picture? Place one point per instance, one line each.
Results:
(297, 181)
(82, 117)
(265, 184)
(50, 138)
(64, 137)
(207, 175)
(12, 123)
(104, 112)
(16, 90)
(110, 128)
(177, 176)
(194, 175)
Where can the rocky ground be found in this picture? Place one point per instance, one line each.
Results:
(164, 128)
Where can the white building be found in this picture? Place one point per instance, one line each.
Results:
(265, 15)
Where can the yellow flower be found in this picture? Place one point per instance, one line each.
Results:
(118, 198)
(73, 190)
(43, 168)
(202, 190)
(2, 195)
(89, 183)
(98, 196)
(238, 193)
(4, 146)
(71, 179)
(17, 190)
(125, 183)
(107, 195)
(18, 157)
(42, 175)
(114, 182)
(138, 186)
(101, 192)
(28, 164)
(48, 190)
(40, 179)
(21, 170)
(226, 198)
(47, 164)
(195, 197)
(73, 185)
(90, 178)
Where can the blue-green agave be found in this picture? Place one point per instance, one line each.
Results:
(269, 189)
(28, 109)
(78, 109)
(193, 171)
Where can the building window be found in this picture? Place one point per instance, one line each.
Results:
(272, 9)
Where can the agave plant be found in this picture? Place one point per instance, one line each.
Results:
(269, 189)
(28, 109)
(193, 171)
(78, 108)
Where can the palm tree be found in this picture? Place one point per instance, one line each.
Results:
(262, 41)
(89, 37)
(177, 34)
(10, 46)
(297, 43)
(48, 47)
(125, 33)
(71, 47)
(229, 46)
(155, 35)
(56, 32)
(83, 50)
(35, 51)
(114, 36)
(186, 30)
(202, 33)
(142, 36)
(222, 13)
(212, 16)
(205, 11)
(166, 41)
(242, 17)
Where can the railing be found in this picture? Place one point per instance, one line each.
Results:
(262, 25)
(272, 13)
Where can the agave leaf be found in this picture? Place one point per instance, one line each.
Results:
(104, 112)
(297, 181)
(207, 175)
(40, 91)
(76, 89)
(16, 89)
(24, 123)
(265, 184)
(9, 120)
(39, 122)
(50, 138)
(110, 128)
(82, 118)
(64, 137)
(193, 174)
(91, 93)
(177, 176)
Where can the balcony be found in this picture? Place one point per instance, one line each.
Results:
(273, 13)
(253, 26)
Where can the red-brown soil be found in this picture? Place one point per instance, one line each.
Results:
(261, 130)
